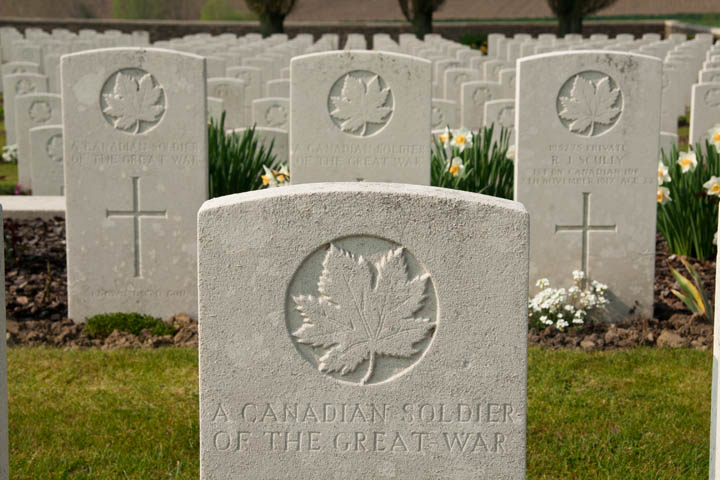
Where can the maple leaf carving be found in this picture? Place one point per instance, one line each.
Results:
(133, 101)
(276, 116)
(55, 148)
(361, 103)
(589, 103)
(24, 86)
(40, 111)
(358, 319)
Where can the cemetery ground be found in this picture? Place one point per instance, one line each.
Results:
(94, 414)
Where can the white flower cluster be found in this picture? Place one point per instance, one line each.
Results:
(562, 307)
(10, 153)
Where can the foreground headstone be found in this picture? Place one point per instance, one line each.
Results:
(588, 171)
(359, 348)
(33, 110)
(715, 411)
(360, 116)
(4, 441)
(46, 151)
(136, 174)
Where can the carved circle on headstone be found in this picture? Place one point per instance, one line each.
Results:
(24, 86)
(712, 97)
(276, 116)
(460, 79)
(362, 310)
(132, 101)
(506, 117)
(481, 95)
(54, 147)
(40, 111)
(589, 103)
(360, 103)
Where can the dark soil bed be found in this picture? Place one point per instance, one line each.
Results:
(36, 294)
(36, 297)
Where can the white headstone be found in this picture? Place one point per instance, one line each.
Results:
(215, 108)
(46, 149)
(273, 112)
(444, 114)
(474, 97)
(586, 168)
(299, 380)
(715, 411)
(278, 88)
(704, 110)
(33, 110)
(16, 85)
(360, 116)
(4, 441)
(135, 179)
(230, 91)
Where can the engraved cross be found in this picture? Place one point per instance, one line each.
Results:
(585, 229)
(136, 214)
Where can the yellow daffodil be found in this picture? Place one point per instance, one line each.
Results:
(461, 138)
(456, 166)
(714, 135)
(712, 186)
(444, 137)
(282, 175)
(663, 195)
(268, 179)
(687, 161)
(663, 174)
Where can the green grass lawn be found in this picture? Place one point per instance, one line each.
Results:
(641, 414)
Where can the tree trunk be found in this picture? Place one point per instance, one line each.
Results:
(422, 23)
(271, 23)
(570, 23)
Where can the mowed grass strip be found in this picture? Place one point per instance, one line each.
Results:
(103, 414)
(640, 414)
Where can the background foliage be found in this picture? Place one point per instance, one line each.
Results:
(488, 170)
(236, 160)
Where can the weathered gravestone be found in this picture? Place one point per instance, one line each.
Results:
(586, 169)
(215, 108)
(360, 116)
(704, 110)
(231, 91)
(4, 441)
(46, 151)
(359, 348)
(715, 411)
(272, 112)
(33, 110)
(136, 174)
(14, 86)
